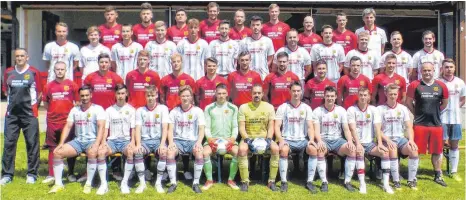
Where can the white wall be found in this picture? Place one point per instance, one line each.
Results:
(34, 38)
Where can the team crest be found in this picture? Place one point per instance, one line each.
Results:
(334, 51)
(335, 116)
(190, 116)
(280, 28)
(117, 32)
(301, 113)
(217, 83)
(88, 115)
(361, 83)
(226, 111)
(66, 87)
(151, 30)
(185, 33)
(397, 82)
(369, 57)
(436, 89)
(131, 51)
(157, 116)
(398, 113)
(435, 58)
(147, 79)
(27, 76)
(198, 47)
(263, 113)
(368, 115)
(404, 60)
(229, 46)
(261, 44)
(126, 112)
(288, 79)
(348, 37)
(109, 81)
(66, 50)
(166, 49)
(182, 82)
(250, 80)
(314, 40)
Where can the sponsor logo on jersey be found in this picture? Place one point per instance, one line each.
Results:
(66, 88)
(117, 32)
(334, 51)
(261, 44)
(190, 116)
(27, 77)
(250, 80)
(263, 113)
(436, 89)
(109, 80)
(147, 79)
(151, 30)
(348, 37)
(182, 82)
(361, 83)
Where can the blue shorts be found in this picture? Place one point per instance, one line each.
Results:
(452, 131)
(399, 141)
(80, 147)
(297, 145)
(334, 145)
(368, 147)
(184, 146)
(117, 145)
(151, 145)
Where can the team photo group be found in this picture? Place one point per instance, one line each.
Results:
(249, 86)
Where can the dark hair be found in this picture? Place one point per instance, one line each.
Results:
(282, 54)
(326, 26)
(256, 18)
(103, 55)
(180, 10)
(225, 22)
(296, 83)
(120, 87)
(211, 59)
(242, 54)
(390, 56)
(330, 89)
(221, 86)
(84, 87)
(355, 58)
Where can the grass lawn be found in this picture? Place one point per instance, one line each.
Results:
(427, 188)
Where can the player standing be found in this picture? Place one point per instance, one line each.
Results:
(209, 27)
(349, 85)
(89, 53)
(125, 53)
(404, 61)
(205, 87)
(382, 80)
(160, 50)
(110, 32)
(241, 81)
(144, 32)
(378, 37)
(346, 38)
(314, 88)
(224, 50)
(275, 29)
(179, 31)
(370, 59)
(428, 54)
(308, 38)
(240, 30)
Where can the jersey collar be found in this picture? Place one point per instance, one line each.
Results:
(289, 102)
(151, 109)
(362, 110)
(331, 110)
(394, 106)
(24, 70)
(191, 106)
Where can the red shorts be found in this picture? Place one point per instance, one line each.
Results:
(428, 136)
(53, 134)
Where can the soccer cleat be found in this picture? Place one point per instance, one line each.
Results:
(82, 178)
(284, 187)
(30, 179)
(271, 185)
(388, 190)
(349, 187)
(71, 178)
(159, 188)
(456, 177)
(324, 187)
(207, 185)
(412, 185)
(397, 185)
(311, 187)
(378, 174)
(56, 188)
(87, 189)
(362, 189)
(171, 189)
(196, 188)
(48, 180)
(148, 175)
(232, 184)
(244, 187)
(440, 181)
(124, 189)
(188, 176)
(140, 189)
(117, 176)
(103, 189)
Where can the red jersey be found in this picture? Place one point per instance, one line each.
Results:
(175, 34)
(206, 89)
(241, 86)
(277, 33)
(314, 91)
(137, 83)
(381, 80)
(348, 40)
(348, 88)
(278, 87)
(103, 87)
(170, 86)
(110, 36)
(144, 34)
(236, 34)
(61, 98)
(307, 41)
(209, 31)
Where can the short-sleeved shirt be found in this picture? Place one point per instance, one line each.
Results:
(370, 61)
(436, 57)
(209, 31)
(120, 121)
(348, 40)
(330, 121)
(137, 82)
(151, 121)
(68, 53)
(159, 54)
(276, 32)
(110, 36)
(125, 57)
(240, 34)
(404, 62)
(307, 41)
(144, 34)
(393, 120)
(297, 59)
(294, 120)
(241, 86)
(186, 122)
(259, 49)
(176, 34)
(205, 89)
(226, 53)
(427, 100)
(333, 55)
(278, 86)
(193, 54)
(256, 118)
(456, 90)
(314, 90)
(89, 58)
(377, 38)
(85, 122)
(364, 121)
(170, 86)
(382, 80)
(60, 97)
(221, 121)
(103, 87)
(348, 88)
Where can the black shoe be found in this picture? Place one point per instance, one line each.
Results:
(397, 185)
(244, 187)
(44, 147)
(171, 189)
(412, 185)
(440, 181)
(311, 187)
(272, 186)
(284, 187)
(324, 187)
(349, 187)
(196, 188)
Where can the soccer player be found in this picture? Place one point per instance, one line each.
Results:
(333, 54)
(240, 31)
(331, 129)
(89, 53)
(308, 38)
(451, 120)
(59, 97)
(349, 85)
(346, 38)
(370, 59)
(119, 126)
(110, 32)
(427, 54)
(276, 84)
(88, 120)
(224, 50)
(427, 99)
(185, 133)
(160, 50)
(194, 50)
(209, 27)
(144, 32)
(364, 122)
(260, 48)
(241, 81)
(61, 50)
(139, 78)
(205, 87)
(275, 29)
(297, 120)
(103, 83)
(382, 80)
(171, 83)
(395, 120)
(256, 120)
(179, 31)
(315, 87)
(378, 37)
(404, 61)
(125, 53)
(22, 86)
(221, 123)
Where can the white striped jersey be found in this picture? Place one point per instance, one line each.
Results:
(125, 57)
(393, 120)
(404, 62)
(259, 49)
(333, 54)
(226, 52)
(193, 55)
(294, 120)
(151, 121)
(364, 121)
(370, 60)
(297, 59)
(330, 121)
(85, 122)
(160, 56)
(422, 56)
(120, 121)
(67, 53)
(89, 55)
(377, 38)
(456, 90)
(186, 123)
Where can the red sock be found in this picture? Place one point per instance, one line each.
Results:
(51, 162)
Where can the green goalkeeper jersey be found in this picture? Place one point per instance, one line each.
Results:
(221, 121)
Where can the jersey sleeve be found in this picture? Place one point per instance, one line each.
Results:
(375, 83)
(280, 112)
(118, 79)
(211, 50)
(179, 47)
(76, 53)
(241, 113)
(46, 55)
(402, 84)
(271, 112)
(114, 52)
(165, 115)
(200, 117)
(344, 116)
(341, 55)
(309, 113)
(444, 90)
(313, 53)
(384, 37)
(348, 59)
(411, 89)
(270, 50)
(406, 114)
(71, 115)
(132, 119)
(377, 116)
(306, 58)
(463, 89)
(410, 63)
(81, 60)
(317, 116)
(351, 115)
(171, 116)
(416, 61)
(4, 82)
(45, 95)
(376, 61)
(107, 118)
(138, 118)
(235, 129)
(100, 113)
(207, 122)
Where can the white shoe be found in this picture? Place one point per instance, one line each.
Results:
(159, 188)
(102, 190)
(362, 189)
(48, 180)
(124, 188)
(388, 190)
(30, 179)
(87, 189)
(140, 189)
(71, 178)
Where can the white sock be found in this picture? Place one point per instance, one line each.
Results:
(198, 165)
(139, 165)
(385, 164)
(360, 166)
(283, 168)
(394, 169)
(58, 171)
(91, 167)
(413, 164)
(311, 168)
(102, 168)
(171, 169)
(350, 164)
(322, 168)
(129, 165)
(160, 169)
(454, 156)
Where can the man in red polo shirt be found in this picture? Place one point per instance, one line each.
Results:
(179, 31)
(315, 87)
(308, 37)
(209, 26)
(240, 31)
(382, 80)
(348, 85)
(145, 31)
(206, 86)
(275, 29)
(110, 32)
(346, 38)
(241, 81)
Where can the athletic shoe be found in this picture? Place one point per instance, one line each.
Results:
(388, 190)
(412, 185)
(44, 147)
(71, 178)
(124, 189)
(349, 187)
(87, 189)
(102, 190)
(188, 176)
(341, 175)
(284, 187)
(397, 185)
(56, 188)
(82, 178)
(159, 188)
(378, 174)
(171, 189)
(196, 188)
(148, 175)
(271, 185)
(117, 176)
(440, 181)
(456, 177)
(311, 187)
(208, 185)
(140, 189)
(30, 179)
(48, 180)
(324, 187)
(362, 189)
(244, 187)
(232, 184)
